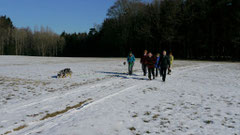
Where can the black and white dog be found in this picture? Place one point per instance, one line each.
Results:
(64, 73)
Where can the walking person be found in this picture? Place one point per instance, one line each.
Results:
(143, 61)
(157, 66)
(171, 58)
(164, 64)
(130, 60)
(151, 60)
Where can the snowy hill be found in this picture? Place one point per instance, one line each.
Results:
(199, 98)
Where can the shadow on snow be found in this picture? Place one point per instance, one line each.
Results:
(123, 75)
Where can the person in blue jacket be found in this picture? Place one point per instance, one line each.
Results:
(130, 60)
(157, 66)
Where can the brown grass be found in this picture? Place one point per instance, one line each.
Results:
(155, 116)
(147, 113)
(8, 132)
(19, 128)
(146, 121)
(132, 128)
(135, 115)
(50, 115)
(148, 132)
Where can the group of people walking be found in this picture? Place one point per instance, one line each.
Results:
(153, 65)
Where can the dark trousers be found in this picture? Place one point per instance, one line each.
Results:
(130, 68)
(169, 70)
(144, 69)
(151, 73)
(164, 73)
(158, 71)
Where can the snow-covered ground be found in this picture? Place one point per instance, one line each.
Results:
(199, 98)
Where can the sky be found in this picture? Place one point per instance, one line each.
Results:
(60, 15)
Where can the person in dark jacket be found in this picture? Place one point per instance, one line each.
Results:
(130, 60)
(143, 61)
(151, 65)
(164, 64)
(157, 66)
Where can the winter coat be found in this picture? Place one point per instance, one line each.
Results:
(164, 62)
(131, 59)
(171, 60)
(144, 59)
(157, 62)
(151, 62)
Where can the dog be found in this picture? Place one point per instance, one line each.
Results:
(64, 73)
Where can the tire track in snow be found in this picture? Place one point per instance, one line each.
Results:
(37, 126)
(58, 95)
(52, 99)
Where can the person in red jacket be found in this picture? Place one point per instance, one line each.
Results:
(151, 60)
(143, 61)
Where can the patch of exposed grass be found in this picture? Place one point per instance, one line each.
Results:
(19, 128)
(8, 132)
(132, 128)
(148, 132)
(155, 116)
(147, 113)
(135, 115)
(208, 122)
(50, 115)
(146, 121)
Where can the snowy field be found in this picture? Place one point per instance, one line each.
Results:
(199, 98)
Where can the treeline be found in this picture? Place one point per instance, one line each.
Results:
(191, 29)
(24, 41)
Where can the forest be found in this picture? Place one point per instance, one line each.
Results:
(190, 29)
(24, 41)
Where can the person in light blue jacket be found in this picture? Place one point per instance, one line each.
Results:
(157, 66)
(130, 60)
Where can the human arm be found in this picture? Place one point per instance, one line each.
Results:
(168, 62)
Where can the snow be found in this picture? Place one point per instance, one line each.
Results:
(199, 98)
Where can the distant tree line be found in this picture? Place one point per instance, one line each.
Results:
(24, 41)
(191, 29)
